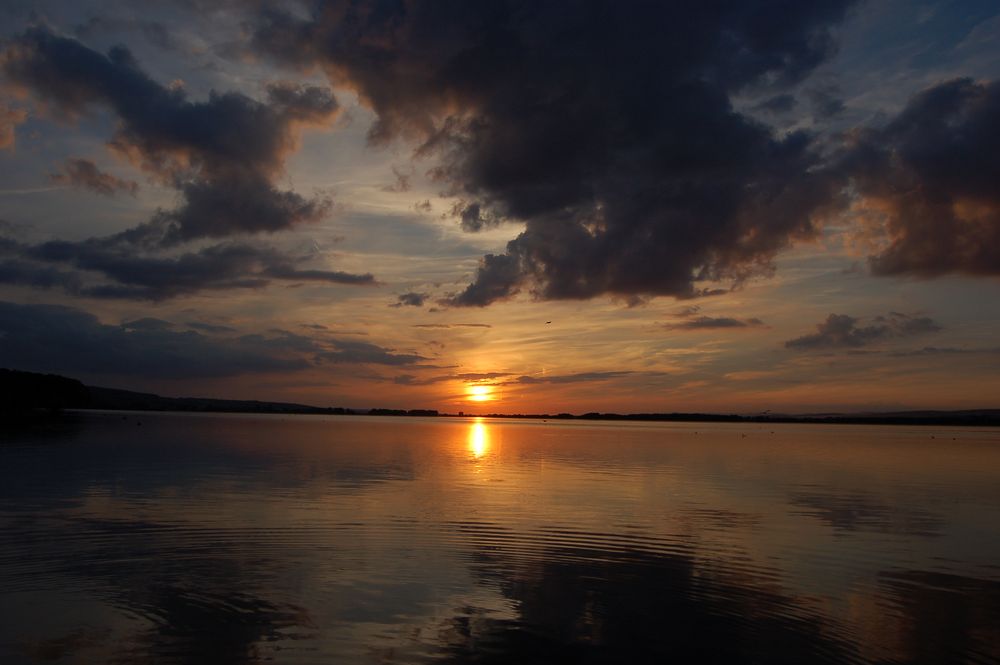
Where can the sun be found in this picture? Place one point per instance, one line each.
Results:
(479, 393)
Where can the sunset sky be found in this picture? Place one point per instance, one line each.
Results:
(506, 206)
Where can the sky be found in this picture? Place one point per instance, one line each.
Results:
(506, 206)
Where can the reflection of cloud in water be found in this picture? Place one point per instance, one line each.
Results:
(223, 539)
(580, 605)
(189, 597)
(584, 605)
(224, 626)
(861, 512)
(184, 450)
(941, 618)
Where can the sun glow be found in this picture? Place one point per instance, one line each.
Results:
(479, 393)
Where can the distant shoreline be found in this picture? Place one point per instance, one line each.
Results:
(942, 418)
(981, 418)
(28, 395)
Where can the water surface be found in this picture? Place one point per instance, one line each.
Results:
(246, 539)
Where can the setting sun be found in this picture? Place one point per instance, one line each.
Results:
(479, 393)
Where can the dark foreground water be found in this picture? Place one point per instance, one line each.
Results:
(241, 539)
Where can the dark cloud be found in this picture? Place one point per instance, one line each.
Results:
(244, 204)
(282, 268)
(469, 377)
(133, 275)
(474, 216)
(580, 377)
(608, 131)
(480, 376)
(84, 173)
(841, 331)
(499, 277)
(65, 339)
(411, 299)
(351, 351)
(928, 181)
(222, 155)
(147, 323)
(690, 320)
(715, 322)
(26, 273)
(903, 325)
(209, 327)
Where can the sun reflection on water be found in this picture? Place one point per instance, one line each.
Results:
(479, 438)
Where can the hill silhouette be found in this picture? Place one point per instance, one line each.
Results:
(22, 392)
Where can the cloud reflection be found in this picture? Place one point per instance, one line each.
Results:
(241, 539)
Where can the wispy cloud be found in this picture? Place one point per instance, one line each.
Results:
(579, 377)
(715, 323)
(445, 326)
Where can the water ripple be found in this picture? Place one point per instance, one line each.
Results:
(208, 541)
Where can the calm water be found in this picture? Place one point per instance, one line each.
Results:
(243, 539)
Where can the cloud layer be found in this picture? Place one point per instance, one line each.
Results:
(928, 182)
(607, 130)
(610, 132)
(222, 155)
(69, 340)
(132, 275)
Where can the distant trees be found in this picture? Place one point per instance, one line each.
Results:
(402, 412)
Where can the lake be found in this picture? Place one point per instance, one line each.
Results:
(170, 538)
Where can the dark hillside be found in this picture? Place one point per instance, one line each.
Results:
(23, 392)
